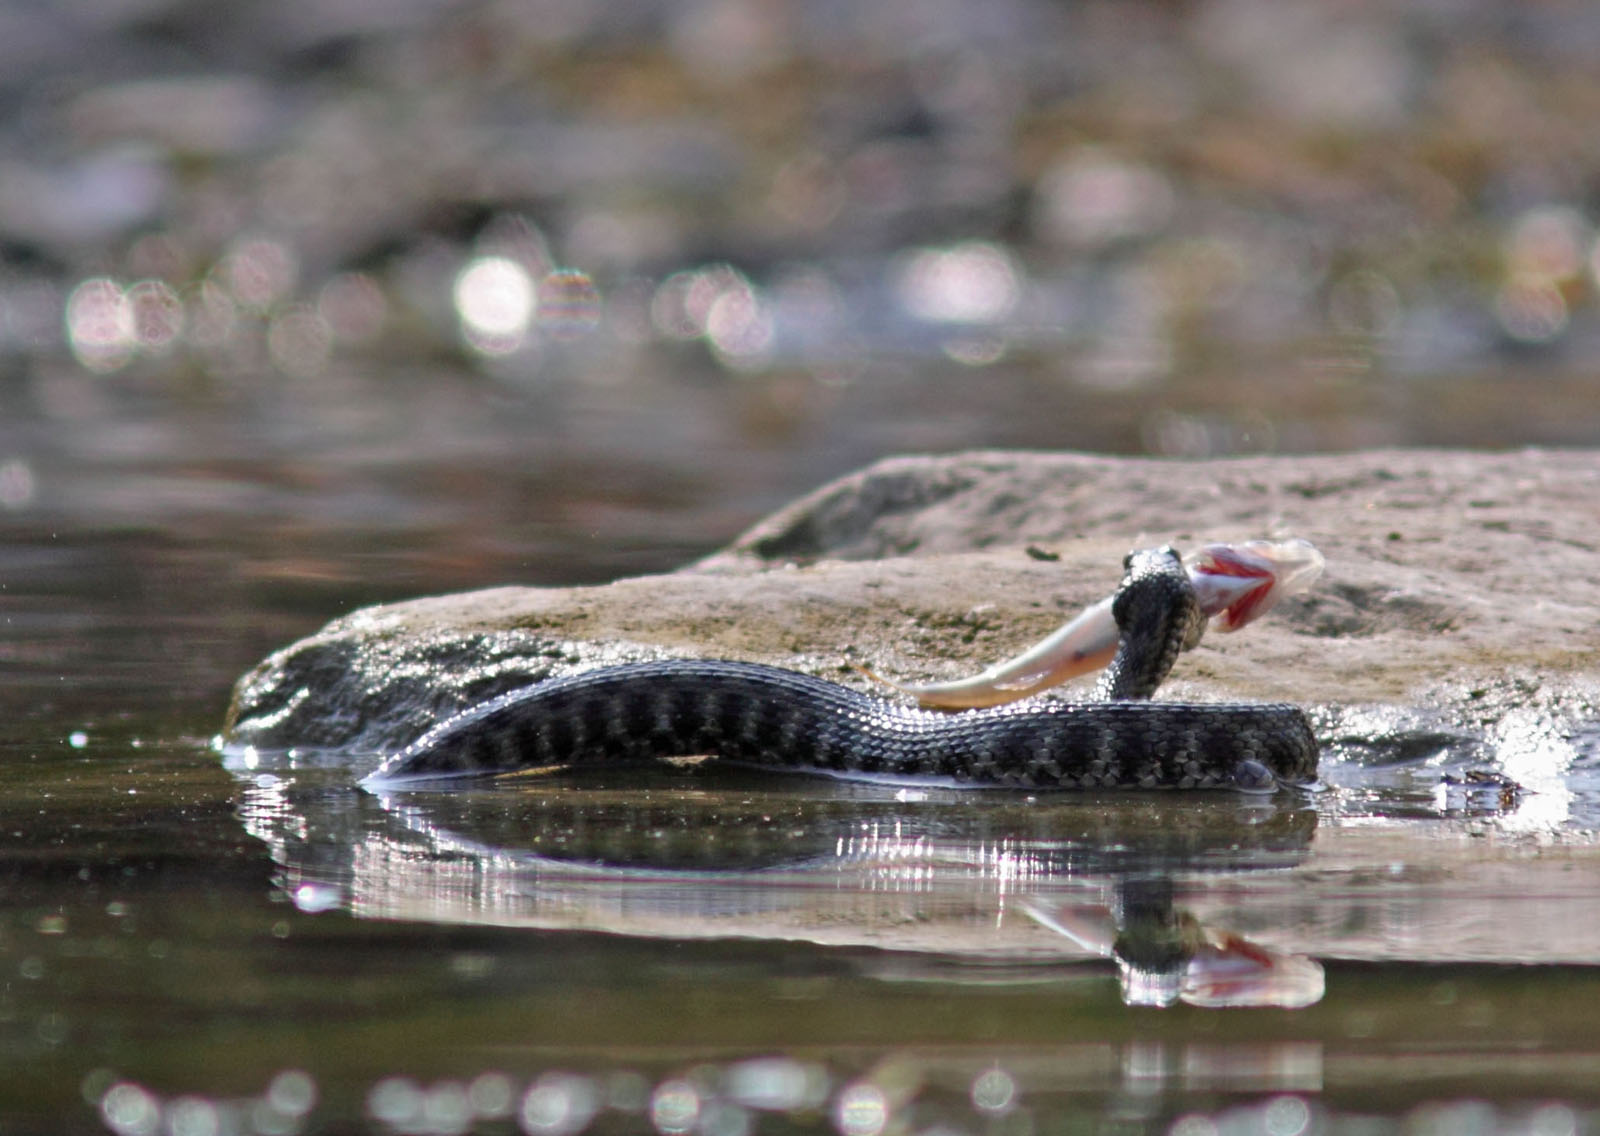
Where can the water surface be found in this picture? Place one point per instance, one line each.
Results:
(205, 942)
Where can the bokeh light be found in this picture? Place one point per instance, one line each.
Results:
(1286, 1116)
(569, 304)
(1547, 250)
(670, 309)
(712, 1099)
(446, 1109)
(682, 304)
(1531, 309)
(496, 301)
(157, 315)
(130, 1110)
(292, 1093)
(491, 1095)
(100, 325)
(976, 282)
(861, 1109)
(739, 327)
(1551, 241)
(675, 1107)
(395, 1102)
(558, 1104)
(994, 1091)
(720, 304)
(258, 272)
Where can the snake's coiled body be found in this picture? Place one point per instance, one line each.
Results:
(767, 716)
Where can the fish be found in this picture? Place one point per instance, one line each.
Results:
(1236, 584)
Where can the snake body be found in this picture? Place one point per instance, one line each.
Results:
(768, 716)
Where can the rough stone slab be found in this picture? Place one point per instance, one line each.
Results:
(1460, 587)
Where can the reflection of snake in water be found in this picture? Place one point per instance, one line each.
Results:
(767, 716)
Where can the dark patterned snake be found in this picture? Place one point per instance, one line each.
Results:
(766, 716)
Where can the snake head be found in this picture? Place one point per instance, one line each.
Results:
(1152, 559)
(1237, 583)
(1153, 579)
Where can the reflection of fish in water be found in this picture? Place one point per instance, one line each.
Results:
(1165, 955)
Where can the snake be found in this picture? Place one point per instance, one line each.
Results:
(754, 714)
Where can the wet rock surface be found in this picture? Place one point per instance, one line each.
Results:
(1459, 607)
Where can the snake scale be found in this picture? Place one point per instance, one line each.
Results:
(767, 716)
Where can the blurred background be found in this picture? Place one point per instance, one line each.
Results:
(308, 303)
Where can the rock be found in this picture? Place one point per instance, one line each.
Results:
(1460, 595)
